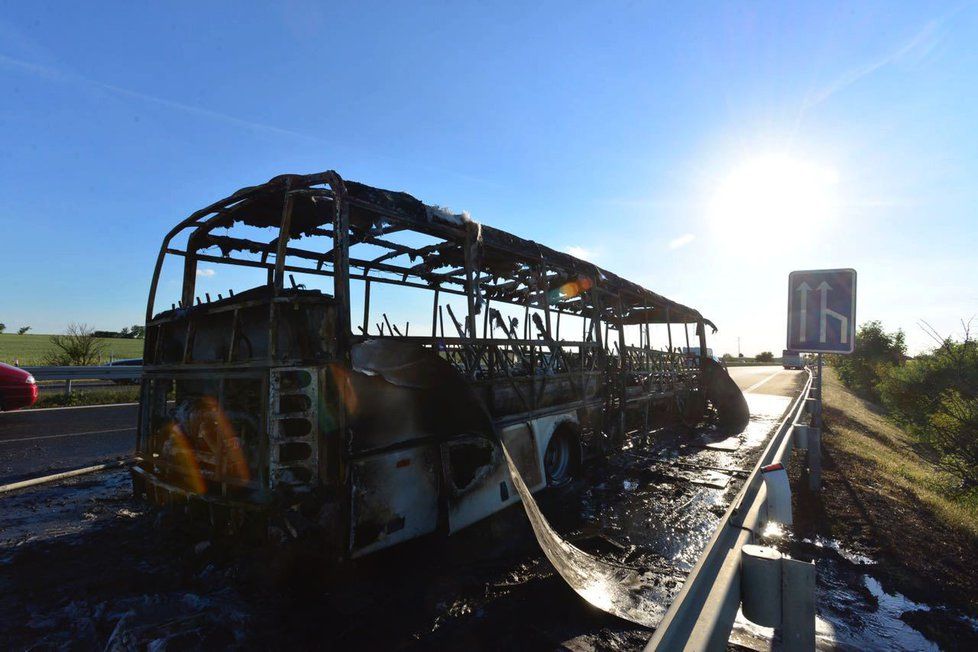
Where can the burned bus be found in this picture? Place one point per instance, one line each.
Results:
(376, 354)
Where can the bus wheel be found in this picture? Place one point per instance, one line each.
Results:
(558, 460)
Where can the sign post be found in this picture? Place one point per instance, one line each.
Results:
(822, 315)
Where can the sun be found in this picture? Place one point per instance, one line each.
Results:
(769, 198)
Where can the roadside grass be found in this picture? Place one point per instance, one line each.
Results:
(907, 470)
(31, 350)
(99, 396)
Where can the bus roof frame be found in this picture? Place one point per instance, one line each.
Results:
(476, 254)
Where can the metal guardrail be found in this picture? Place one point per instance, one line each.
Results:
(703, 614)
(98, 372)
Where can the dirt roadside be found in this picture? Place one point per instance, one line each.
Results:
(882, 499)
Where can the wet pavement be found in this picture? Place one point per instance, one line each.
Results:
(856, 611)
(45, 441)
(82, 564)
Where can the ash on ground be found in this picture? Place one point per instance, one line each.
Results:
(83, 565)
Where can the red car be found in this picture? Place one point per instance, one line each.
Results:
(17, 388)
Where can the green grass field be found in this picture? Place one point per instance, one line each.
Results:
(30, 350)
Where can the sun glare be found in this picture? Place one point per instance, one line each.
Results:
(769, 197)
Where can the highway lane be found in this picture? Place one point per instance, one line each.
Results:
(772, 379)
(38, 442)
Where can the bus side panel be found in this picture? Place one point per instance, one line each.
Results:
(395, 498)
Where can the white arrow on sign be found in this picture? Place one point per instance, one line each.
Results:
(804, 289)
(824, 288)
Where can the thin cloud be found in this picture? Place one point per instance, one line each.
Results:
(56, 74)
(681, 241)
(581, 252)
(913, 50)
(206, 272)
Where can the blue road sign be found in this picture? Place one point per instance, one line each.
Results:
(822, 310)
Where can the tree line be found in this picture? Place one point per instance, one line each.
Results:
(133, 332)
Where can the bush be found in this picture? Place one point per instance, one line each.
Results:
(877, 353)
(78, 346)
(935, 396)
(764, 356)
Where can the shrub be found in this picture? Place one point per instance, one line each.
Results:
(935, 396)
(764, 356)
(877, 353)
(954, 433)
(78, 346)
(23, 330)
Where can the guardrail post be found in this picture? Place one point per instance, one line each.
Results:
(812, 406)
(814, 457)
(799, 435)
(777, 591)
(818, 394)
(68, 387)
(797, 605)
(761, 585)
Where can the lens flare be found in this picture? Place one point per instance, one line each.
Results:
(215, 428)
(182, 458)
(344, 388)
(571, 289)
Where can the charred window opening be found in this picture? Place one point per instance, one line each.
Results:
(295, 427)
(294, 379)
(466, 460)
(294, 452)
(293, 403)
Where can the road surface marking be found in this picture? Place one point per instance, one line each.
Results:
(73, 407)
(761, 382)
(61, 476)
(70, 434)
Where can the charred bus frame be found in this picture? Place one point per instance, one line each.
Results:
(275, 401)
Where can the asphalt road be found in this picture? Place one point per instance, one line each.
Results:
(773, 380)
(39, 442)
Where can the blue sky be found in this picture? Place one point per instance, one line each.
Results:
(704, 151)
